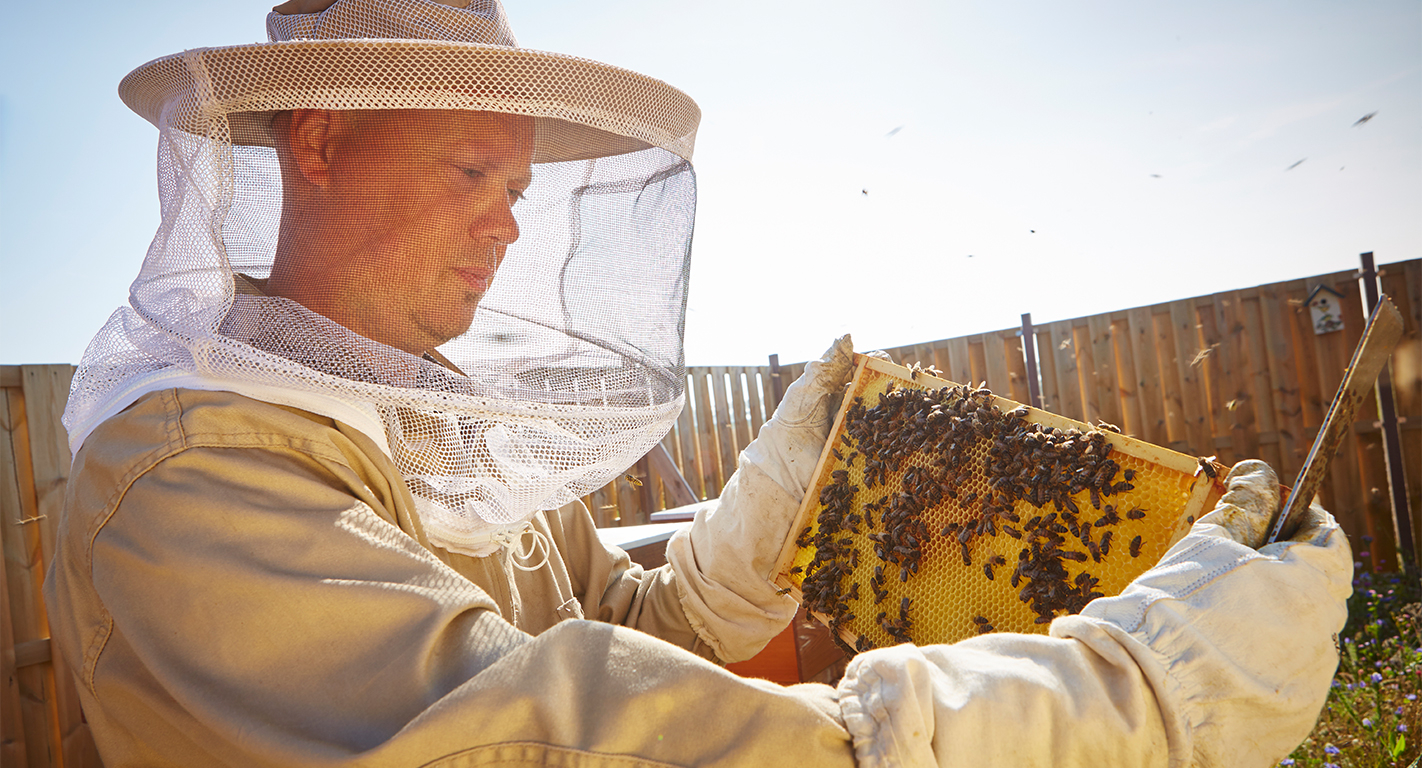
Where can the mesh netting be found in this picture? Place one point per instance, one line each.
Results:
(476, 254)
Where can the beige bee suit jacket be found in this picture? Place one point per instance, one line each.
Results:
(239, 583)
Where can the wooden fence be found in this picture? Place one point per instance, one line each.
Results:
(1237, 374)
(40, 720)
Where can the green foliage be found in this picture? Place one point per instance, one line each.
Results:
(1374, 712)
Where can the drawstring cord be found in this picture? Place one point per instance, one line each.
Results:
(512, 539)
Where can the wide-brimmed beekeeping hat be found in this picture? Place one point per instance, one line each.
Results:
(396, 54)
(543, 383)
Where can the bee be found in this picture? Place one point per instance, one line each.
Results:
(634, 481)
(837, 454)
(1136, 547)
(1129, 475)
(797, 569)
(1207, 466)
(1135, 513)
(1106, 543)
(843, 438)
(784, 591)
(987, 571)
(1108, 427)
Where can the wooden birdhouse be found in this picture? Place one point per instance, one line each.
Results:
(1326, 307)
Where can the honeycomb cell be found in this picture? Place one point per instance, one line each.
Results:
(950, 598)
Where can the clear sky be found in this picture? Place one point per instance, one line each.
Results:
(907, 171)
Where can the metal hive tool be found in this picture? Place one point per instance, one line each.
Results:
(915, 524)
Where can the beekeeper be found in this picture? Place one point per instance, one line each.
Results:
(415, 291)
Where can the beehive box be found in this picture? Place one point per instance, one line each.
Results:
(940, 511)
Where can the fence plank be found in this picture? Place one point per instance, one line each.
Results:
(1184, 327)
(942, 359)
(1214, 381)
(756, 378)
(1235, 381)
(1064, 359)
(740, 411)
(1126, 381)
(960, 361)
(1403, 284)
(1168, 361)
(725, 429)
(708, 452)
(1016, 365)
(995, 364)
(46, 389)
(1047, 369)
(1314, 396)
(1141, 324)
(24, 565)
(1283, 380)
(1103, 370)
(687, 458)
(12, 724)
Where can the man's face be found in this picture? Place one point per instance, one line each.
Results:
(415, 214)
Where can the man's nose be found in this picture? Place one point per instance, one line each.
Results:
(498, 224)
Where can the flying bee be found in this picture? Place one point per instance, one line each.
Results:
(1207, 466)
(634, 481)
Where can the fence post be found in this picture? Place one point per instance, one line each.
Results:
(1392, 438)
(1029, 351)
(776, 385)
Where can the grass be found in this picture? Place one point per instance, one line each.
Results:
(1374, 712)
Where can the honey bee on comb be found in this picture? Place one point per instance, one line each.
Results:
(962, 484)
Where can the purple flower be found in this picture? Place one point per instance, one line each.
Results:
(1332, 750)
(1287, 761)
(1367, 723)
(1402, 727)
(1411, 697)
(1399, 712)
(1365, 553)
(1376, 677)
(1367, 539)
(1330, 765)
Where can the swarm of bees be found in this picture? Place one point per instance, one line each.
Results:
(1041, 465)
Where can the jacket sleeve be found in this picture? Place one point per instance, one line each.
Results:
(1220, 655)
(260, 612)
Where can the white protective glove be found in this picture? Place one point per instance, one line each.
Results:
(1220, 655)
(723, 560)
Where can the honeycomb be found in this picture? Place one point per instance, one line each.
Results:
(884, 588)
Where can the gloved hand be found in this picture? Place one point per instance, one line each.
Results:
(1246, 511)
(723, 560)
(1219, 655)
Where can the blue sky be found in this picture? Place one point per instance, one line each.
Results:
(1147, 144)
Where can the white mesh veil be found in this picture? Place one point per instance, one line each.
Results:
(345, 257)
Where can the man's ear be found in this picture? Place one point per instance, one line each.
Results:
(310, 138)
